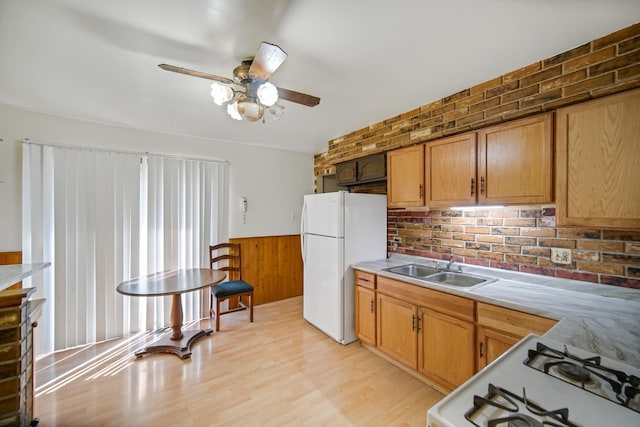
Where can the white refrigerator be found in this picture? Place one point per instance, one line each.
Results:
(338, 230)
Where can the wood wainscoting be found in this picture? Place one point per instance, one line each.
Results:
(273, 265)
(11, 258)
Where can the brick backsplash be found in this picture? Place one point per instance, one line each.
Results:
(603, 66)
(518, 239)
(513, 238)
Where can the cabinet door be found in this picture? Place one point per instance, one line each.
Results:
(491, 344)
(598, 162)
(372, 168)
(451, 171)
(397, 323)
(366, 315)
(405, 180)
(445, 349)
(346, 173)
(515, 161)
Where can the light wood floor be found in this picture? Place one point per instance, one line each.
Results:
(277, 371)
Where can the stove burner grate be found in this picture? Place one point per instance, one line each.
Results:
(513, 417)
(581, 372)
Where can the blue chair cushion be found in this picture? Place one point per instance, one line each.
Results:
(234, 287)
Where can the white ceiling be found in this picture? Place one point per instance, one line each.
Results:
(367, 60)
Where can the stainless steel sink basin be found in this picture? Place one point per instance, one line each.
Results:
(437, 275)
(413, 270)
(462, 280)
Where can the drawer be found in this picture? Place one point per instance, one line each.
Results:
(366, 280)
(512, 321)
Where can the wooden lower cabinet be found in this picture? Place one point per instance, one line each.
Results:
(429, 331)
(445, 348)
(491, 344)
(365, 301)
(500, 328)
(444, 338)
(366, 315)
(397, 329)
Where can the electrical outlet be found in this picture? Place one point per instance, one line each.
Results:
(561, 256)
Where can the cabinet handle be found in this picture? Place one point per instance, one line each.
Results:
(421, 191)
(473, 186)
(372, 306)
(419, 320)
(481, 349)
(482, 185)
(413, 322)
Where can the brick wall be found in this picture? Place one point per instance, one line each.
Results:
(514, 238)
(518, 239)
(607, 65)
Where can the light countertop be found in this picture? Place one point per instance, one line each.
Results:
(13, 273)
(600, 318)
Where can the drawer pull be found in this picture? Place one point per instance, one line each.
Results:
(481, 349)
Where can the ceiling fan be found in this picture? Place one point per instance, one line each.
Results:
(256, 92)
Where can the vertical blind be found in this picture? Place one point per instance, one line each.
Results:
(103, 217)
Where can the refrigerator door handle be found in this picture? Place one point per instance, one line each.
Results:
(302, 249)
(302, 223)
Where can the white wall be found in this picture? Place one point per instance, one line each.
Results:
(273, 181)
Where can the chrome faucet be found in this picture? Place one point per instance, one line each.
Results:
(450, 264)
(393, 249)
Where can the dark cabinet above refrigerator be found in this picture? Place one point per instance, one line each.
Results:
(359, 171)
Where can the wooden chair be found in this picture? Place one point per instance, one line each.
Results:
(228, 258)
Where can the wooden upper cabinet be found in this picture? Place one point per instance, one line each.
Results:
(372, 168)
(450, 174)
(405, 177)
(598, 162)
(515, 161)
(366, 169)
(346, 172)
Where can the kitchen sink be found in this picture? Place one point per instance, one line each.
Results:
(437, 275)
(413, 270)
(462, 280)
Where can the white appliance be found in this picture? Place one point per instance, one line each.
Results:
(539, 382)
(337, 230)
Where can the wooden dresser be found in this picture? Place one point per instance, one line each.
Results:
(18, 317)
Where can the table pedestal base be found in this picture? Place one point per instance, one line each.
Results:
(181, 347)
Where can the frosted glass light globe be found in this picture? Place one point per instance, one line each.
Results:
(267, 94)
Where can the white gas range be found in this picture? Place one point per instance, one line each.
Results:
(542, 382)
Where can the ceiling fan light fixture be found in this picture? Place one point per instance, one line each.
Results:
(221, 93)
(232, 110)
(276, 111)
(267, 94)
(250, 110)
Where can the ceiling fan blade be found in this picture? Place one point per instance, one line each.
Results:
(298, 97)
(267, 60)
(193, 73)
